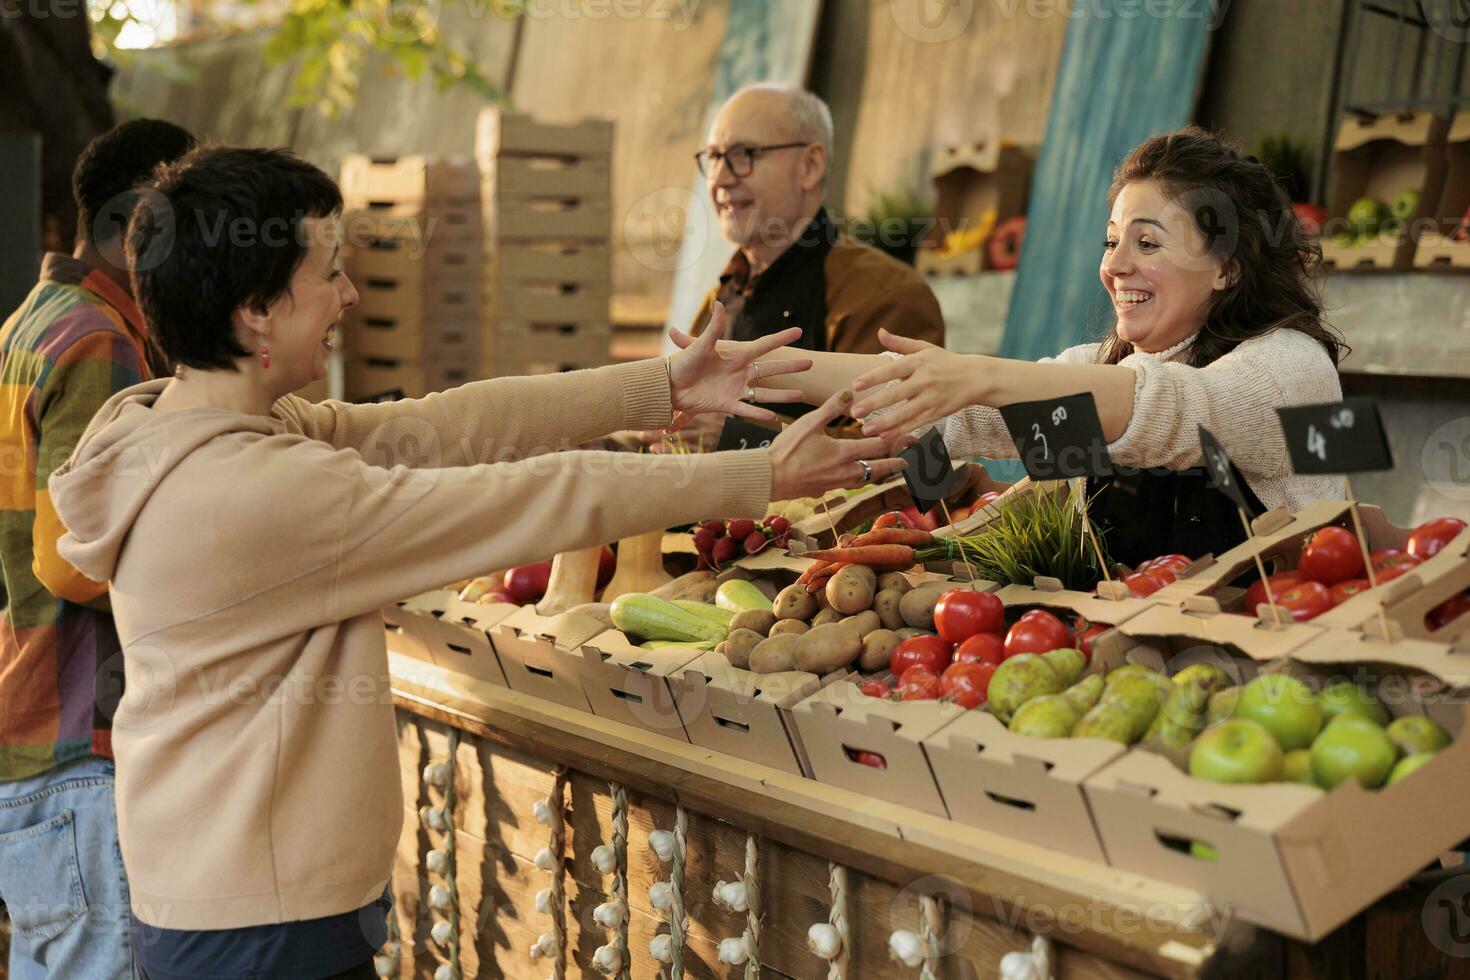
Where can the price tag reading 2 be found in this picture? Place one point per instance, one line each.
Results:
(739, 434)
(1221, 471)
(1336, 437)
(1059, 438)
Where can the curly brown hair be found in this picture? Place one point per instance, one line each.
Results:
(1246, 217)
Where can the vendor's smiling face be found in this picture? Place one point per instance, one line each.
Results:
(303, 321)
(1157, 268)
(777, 194)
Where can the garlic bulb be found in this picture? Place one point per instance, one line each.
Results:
(545, 860)
(437, 861)
(730, 895)
(906, 947)
(661, 895)
(439, 897)
(441, 932)
(433, 816)
(824, 940)
(661, 842)
(732, 951)
(661, 948)
(605, 859)
(446, 972)
(609, 915)
(544, 946)
(437, 774)
(608, 959)
(1018, 966)
(542, 809)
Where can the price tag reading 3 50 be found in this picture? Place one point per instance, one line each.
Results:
(1059, 438)
(1336, 437)
(739, 434)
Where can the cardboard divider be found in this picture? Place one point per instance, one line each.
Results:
(626, 683)
(538, 655)
(745, 714)
(839, 721)
(1447, 248)
(1295, 858)
(414, 180)
(1048, 593)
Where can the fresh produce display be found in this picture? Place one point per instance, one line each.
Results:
(720, 542)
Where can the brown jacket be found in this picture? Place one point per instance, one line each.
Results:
(248, 558)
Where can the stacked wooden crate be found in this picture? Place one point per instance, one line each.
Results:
(411, 233)
(546, 202)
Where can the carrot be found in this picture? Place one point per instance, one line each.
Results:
(876, 554)
(813, 570)
(894, 535)
(819, 583)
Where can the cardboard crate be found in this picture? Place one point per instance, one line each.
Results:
(560, 175)
(545, 301)
(540, 348)
(409, 299)
(1449, 246)
(575, 261)
(1408, 599)
(1290, 857)
(420, 226)
(499, 132)
(626, 683)
(396, 259)
(742, 713)
(1048, 593)
(972, 180)
(395, 615)
(440, 629)
(538, 654)
(387, 379)
(1378, 158)
(839, 721)
(444, 342)
(528, 217)
(416, 180)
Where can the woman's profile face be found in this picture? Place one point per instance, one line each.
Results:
(305, 318)
(1157, 268)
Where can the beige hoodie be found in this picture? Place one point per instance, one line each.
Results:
(248, 556)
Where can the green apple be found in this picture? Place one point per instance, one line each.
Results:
(1296, 767)
(1404, 205)
(1344, 239)
(1346, 698)
(1285, 706)
(1365, 215)
(1222, 704)
(1417, 734)
(1407, 766)
(1352, 747)
(1202, 851)
(1236, 751)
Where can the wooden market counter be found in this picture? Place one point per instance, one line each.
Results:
(997, 893)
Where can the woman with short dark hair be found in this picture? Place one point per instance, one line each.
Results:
(251, 539)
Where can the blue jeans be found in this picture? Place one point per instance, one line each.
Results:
(62, 878)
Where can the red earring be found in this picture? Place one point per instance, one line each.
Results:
(265, 356)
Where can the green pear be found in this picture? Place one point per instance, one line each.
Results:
(1182, 715)
(1018, 680)
(1129, 670)
(1416, 735)
(1296, 767)
(1212, 676)
(1107, 719)
(1068, 662)
(1049, 716)
(1346, 698)
(1222, 704)
(1085, 693)
(1138, 696)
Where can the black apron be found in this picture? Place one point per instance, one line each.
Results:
(1148, 514)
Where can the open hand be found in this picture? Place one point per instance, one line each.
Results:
(710, 378)
(931, 383)
(806, 462)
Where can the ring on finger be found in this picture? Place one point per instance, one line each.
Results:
(754, 371)
(867, 470)
(749, 394)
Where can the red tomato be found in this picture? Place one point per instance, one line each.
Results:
(982, 648)
(607, 563)
(930, 652)
(1381, 556)
(919, 684)
(1448, 611)
(1038, 631)
(1174, 563)
(1331, 556)
(1256, 594)
(1311, 217)
(892, 519)
(876, 688)
(1305, 600)
(987, 497)
(961, 613)
(1390, 563)
(528, 582)
(918, 521)
(966, 684)
(1141, 584)
(867, 759)
(1085, 637)
(1426, 540)
(1343, 591)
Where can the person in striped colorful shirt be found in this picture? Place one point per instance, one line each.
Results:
(76, 340)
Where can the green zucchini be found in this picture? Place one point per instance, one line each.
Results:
(712, 613)
(678, 645)
(653, 618)
(738, 595)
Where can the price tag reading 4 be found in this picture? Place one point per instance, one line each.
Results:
(739, 434)
(1059, 438)
(1222, 472)
(1336, 437)
(930, 475)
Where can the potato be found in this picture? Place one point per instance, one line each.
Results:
(917, 605)
(795, 602)
(895, 581)
(864, 622)
(827, 648)
(795, 626)
(756, 620)
(821, 596)
(738, 646)
(775, 654)
(878, 649)
(908, 631)
(826, 616)
(720, 647)
(851, 590)
(886, 605)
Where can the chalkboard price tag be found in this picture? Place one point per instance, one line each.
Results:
(1336, 437)
(931, 474)
(1059, 438)
(391, 395)
(739, 434)
(1222, 473)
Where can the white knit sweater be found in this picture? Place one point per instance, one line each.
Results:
(1235, 397)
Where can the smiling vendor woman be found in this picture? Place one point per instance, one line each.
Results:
(1215, 326)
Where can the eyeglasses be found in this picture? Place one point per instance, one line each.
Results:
(738, 159)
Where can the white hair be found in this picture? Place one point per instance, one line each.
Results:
(810, 117)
